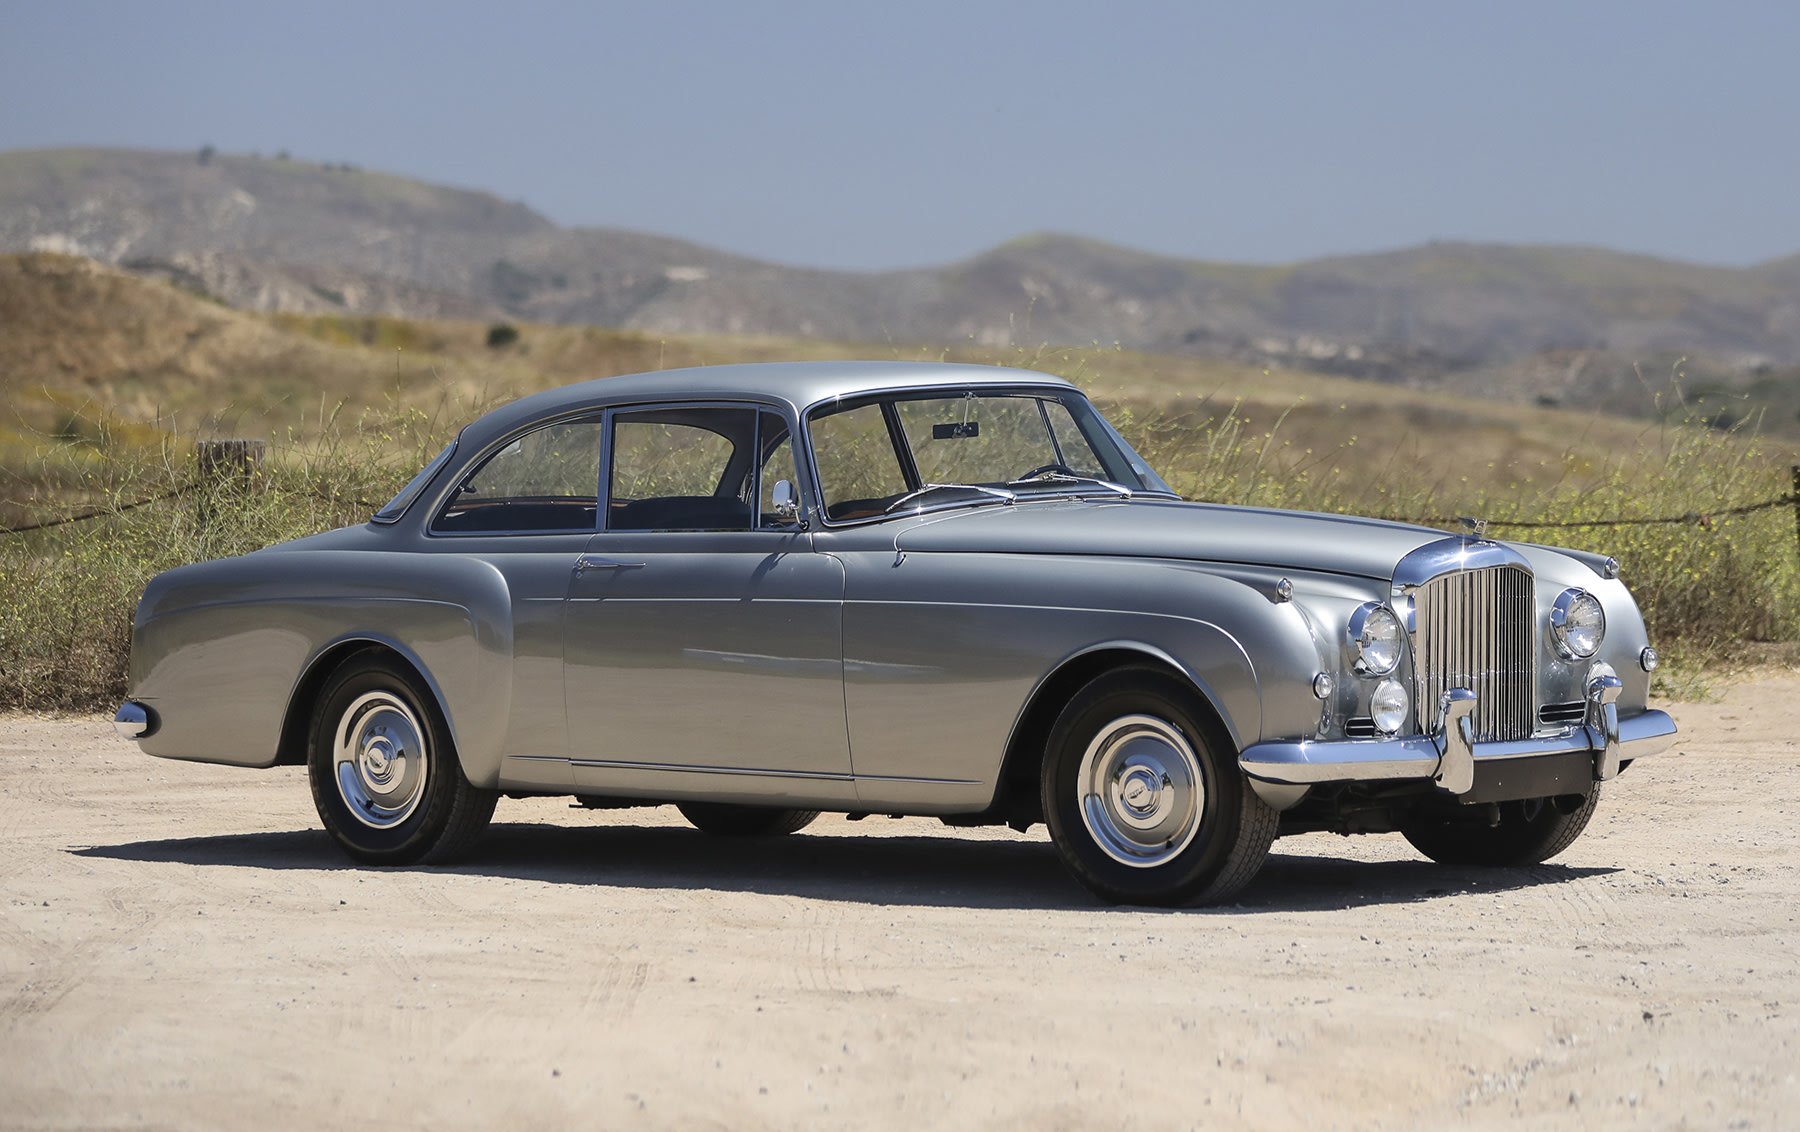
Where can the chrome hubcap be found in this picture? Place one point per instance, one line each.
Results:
(1141, 791)
(380, 759)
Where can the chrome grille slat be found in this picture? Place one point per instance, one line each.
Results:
(1475, 631)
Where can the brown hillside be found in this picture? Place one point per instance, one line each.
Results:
(82, 343)
(293, 236)
(74, 330)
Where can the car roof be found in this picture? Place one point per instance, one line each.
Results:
(798, 384)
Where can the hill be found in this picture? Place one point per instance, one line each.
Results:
(89, 351)
(280, 235)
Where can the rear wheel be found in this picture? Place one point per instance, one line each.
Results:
(723, 819)
(1143, 799)
(1530, 832)
(385, 777)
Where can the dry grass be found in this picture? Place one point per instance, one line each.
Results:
(109, 379)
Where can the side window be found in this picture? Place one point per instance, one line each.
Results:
(681, 469)
(858, 467)
(546, 480)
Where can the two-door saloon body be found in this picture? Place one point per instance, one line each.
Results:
(765, 591)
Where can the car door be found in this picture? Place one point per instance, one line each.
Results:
(701, 636)
(529, 509)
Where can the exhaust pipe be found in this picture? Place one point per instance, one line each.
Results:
(135, 720)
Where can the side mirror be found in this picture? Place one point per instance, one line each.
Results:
(786, 502)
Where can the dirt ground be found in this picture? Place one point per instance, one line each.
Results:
(181, 947)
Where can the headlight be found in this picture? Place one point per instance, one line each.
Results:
(1577, 624)
(1389, 705)
(1375, 639)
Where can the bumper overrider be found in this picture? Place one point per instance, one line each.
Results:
(1449, 757)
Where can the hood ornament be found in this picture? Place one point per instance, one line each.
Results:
(1477, 528)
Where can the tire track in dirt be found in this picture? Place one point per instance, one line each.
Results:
(819, 951)
(613, 992)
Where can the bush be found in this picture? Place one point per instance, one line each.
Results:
(67, 592)
(1703, 577)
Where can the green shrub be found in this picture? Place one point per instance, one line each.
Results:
(67, 592)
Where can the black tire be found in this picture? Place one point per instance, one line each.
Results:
(724, 819)
(1125, 729)
(417, 806)
(1530, 833)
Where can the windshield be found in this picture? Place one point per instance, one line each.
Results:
(873, 455)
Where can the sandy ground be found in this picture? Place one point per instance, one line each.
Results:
(181, 947)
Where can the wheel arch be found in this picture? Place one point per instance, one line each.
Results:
(1016, 791)
(297, 720)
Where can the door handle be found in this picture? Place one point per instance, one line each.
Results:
(595, 562)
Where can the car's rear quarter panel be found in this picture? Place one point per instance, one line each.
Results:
(220, 648)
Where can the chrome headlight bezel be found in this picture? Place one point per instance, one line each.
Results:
(1377, 639)
(1577, 624)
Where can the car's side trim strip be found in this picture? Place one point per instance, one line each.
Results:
(828, 776)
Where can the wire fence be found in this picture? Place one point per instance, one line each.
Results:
(1703, 519)
(222, 468)
(97, 512)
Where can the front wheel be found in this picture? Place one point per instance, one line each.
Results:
(385, 777)
(1143, 800)
(1529, 832)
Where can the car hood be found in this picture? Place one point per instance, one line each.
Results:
(1290, 540)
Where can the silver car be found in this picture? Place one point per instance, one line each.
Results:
(760, 592)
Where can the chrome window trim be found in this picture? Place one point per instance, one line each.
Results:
(758, 407)
(602, 413)
(479, 461)
(429, 473)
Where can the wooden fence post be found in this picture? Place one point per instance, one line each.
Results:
(224, 466)
(1796, 471)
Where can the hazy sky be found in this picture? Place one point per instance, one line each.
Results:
(855, 135)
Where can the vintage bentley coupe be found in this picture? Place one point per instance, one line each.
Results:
(760, 592)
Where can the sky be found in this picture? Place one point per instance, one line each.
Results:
(865, 136)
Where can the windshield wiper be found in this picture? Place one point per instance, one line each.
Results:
(1060, 479)
(998, 493)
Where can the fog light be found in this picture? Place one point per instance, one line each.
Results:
(1389, 705)
(1649, 659)
(1323, 685)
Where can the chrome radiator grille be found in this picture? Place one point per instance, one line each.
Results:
(1475, 631)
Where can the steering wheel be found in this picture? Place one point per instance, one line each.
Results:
(1050, 467)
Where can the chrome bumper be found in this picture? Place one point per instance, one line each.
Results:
(1449, 758)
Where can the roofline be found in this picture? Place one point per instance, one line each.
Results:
(797, 385)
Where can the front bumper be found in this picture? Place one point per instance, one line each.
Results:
(1450, 758)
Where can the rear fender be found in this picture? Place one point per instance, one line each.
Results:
(230, 654)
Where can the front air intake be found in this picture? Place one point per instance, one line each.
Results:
(1475, 630)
